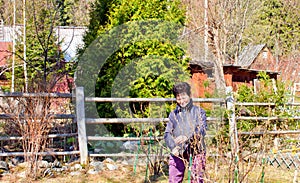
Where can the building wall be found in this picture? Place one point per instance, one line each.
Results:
(5, 52)
(228, 79)
(197, 84)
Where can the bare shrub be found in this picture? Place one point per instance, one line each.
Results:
(30, 118)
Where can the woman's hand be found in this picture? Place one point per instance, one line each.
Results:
(175, 151)
(180, 139)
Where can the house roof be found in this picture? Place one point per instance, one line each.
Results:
(245, 59)
(248, 55)
(6, 33)
(202, 63)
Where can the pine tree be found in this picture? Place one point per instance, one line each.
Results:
(144, 65)
(277, 24)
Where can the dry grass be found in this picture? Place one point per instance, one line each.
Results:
(122, 175)
(271, 175)
(126, 175)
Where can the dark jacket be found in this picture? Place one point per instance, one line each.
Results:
(191, 122)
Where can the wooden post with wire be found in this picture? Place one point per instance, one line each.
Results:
(233, 131)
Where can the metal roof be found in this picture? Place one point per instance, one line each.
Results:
(248, 55)
(7, 33)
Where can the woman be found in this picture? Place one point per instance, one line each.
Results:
(184, 136)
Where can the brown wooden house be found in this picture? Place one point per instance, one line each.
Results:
(251, 61)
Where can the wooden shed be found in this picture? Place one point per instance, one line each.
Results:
(251, 61)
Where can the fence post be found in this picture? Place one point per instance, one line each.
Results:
(80, 115)
(232, 121)
(232, 130)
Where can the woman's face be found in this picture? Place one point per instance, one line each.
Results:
(182, 99)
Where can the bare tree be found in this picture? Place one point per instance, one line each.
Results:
(226, 22)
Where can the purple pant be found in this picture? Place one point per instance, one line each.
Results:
(177, 166)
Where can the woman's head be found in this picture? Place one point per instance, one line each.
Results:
(182, 87)
(182, 92)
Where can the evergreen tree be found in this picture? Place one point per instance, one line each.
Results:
(278, 24)
(64, 7)
(140, 67)
(98, 21)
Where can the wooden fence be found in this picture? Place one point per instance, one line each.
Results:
(230, 107)
(55, 116)
(287, 158)
(82, 121)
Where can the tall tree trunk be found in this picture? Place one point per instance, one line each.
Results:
(24, 42)
(218, 64)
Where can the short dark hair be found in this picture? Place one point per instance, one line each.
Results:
(181, 88)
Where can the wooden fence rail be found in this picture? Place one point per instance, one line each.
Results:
(82, 121)
(35, 95)
(269, 118)
(54, 116)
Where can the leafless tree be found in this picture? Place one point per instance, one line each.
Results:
(224, 23)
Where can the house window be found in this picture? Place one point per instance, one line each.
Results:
(209, 73)
(265, 55)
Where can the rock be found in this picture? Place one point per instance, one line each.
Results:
(97, 165)
(111, 166)
(108, 160)
(92, 172)
(58, 170)
(56, 164)
(6, 173)
(124, 162)
(71, 148)
(48, 173)
(43, 164)
(130, 145)
(75, 173)
(131, 161)
(97, 150)
(64, 168)
(76, 167)
(11, 165)
(22, 174)
(3, 165)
